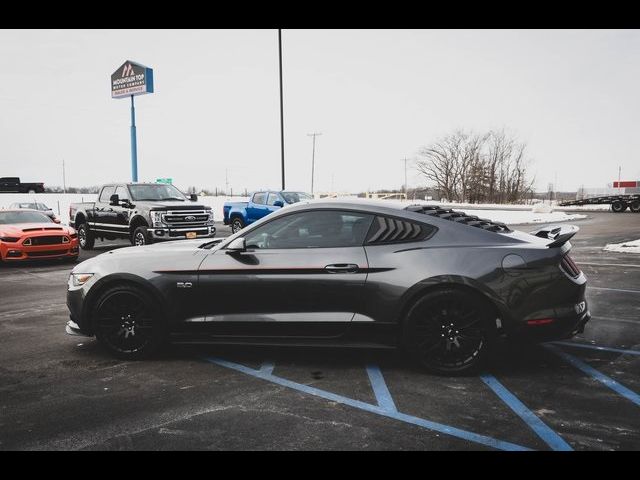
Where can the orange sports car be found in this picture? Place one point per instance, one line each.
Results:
(30, 234)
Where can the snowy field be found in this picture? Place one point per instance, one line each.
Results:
(625, 247)
(526, 214)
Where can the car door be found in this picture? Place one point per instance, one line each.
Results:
(103, 211)
(271, 201)
(301, 275)
(257, 208)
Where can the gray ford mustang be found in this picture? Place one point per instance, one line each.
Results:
(438, 283)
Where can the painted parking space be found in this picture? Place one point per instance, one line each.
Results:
(528, 418)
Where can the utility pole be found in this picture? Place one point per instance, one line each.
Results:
(619, 172)
(226, 181)
(313, 156)
(64, 179)
(405, 160)
(281, 105)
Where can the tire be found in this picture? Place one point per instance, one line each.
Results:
(237, 224)
(449, 331)
(618, 206)
(635, 206)
(141, 237)
(129, 323)
(86, 238)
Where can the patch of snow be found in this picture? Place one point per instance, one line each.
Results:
(625, 247)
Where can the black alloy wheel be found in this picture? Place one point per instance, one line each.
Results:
(128, 323)
(449, 331)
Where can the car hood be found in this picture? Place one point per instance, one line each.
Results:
(17, 230)
(171, 205)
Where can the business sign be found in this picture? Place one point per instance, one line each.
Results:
(167, 181)
(131, 79)
(627, 184)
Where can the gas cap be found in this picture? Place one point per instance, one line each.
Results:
(513, 264)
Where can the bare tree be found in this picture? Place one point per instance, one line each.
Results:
(489, 167)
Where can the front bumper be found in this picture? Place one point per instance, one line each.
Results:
(19, 253)
(179, 233)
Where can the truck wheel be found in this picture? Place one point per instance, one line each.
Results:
(236, 225)
(618, 206)
(141, 237)
(635, 206)
(31, 191)
(85, 237)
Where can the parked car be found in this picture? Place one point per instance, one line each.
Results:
(30, 234)
(41, 207)
(440, 284)
(14, 185)
(142, 212)
(261, 204)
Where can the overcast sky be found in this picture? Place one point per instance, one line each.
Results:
(376, 96)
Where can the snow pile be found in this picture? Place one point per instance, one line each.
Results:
(625, 247)
(520, 217)
(541, 208)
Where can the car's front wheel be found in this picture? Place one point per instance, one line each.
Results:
(140, 237)
(236, 225)
(86, 238)
(448, 331)
(128, 322)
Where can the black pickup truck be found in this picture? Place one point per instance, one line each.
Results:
(142, 212)
(14, 185)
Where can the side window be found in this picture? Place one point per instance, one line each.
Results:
(394, 230)
(260, 198)
(313, 229)
(123, 193)
(273, 197)
(107, 191)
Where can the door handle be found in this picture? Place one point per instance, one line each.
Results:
(342, 268)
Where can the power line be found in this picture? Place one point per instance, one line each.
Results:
(313, 156)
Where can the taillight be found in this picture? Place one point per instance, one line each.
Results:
(568, 266)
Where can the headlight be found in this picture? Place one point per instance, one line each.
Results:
(156, 218)
(9, 239)
(79, 279)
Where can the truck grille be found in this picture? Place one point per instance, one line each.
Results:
(569, 267)
(185, 218)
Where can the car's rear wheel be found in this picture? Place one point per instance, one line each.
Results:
(128, 323)
(449, 331)
(236, 225)
(86, 238)
(618, 206)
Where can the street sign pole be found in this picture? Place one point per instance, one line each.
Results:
(134, 144)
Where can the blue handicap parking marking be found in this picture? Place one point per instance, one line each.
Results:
(385, 408)
(596, 374)
(550, 437)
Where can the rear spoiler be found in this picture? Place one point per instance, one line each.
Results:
(559, 234)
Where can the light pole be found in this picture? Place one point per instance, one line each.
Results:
(281, 104)
(313, 156)
(405, 159)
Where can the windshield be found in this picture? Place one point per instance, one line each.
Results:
(10, 218)
(154, 193)
(295, 197)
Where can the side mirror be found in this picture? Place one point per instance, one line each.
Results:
(114, 199)
(278, 203)
(56, 220)
(193, 197)
(236, 246)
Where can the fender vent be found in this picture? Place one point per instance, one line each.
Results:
(459, 217)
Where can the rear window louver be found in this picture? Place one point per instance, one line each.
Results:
(459, 217)
(391, 230)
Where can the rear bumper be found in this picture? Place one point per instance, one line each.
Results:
(557, 329)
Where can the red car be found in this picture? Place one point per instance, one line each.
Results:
(30, 234)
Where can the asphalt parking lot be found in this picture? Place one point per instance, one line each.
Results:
(63, 392)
